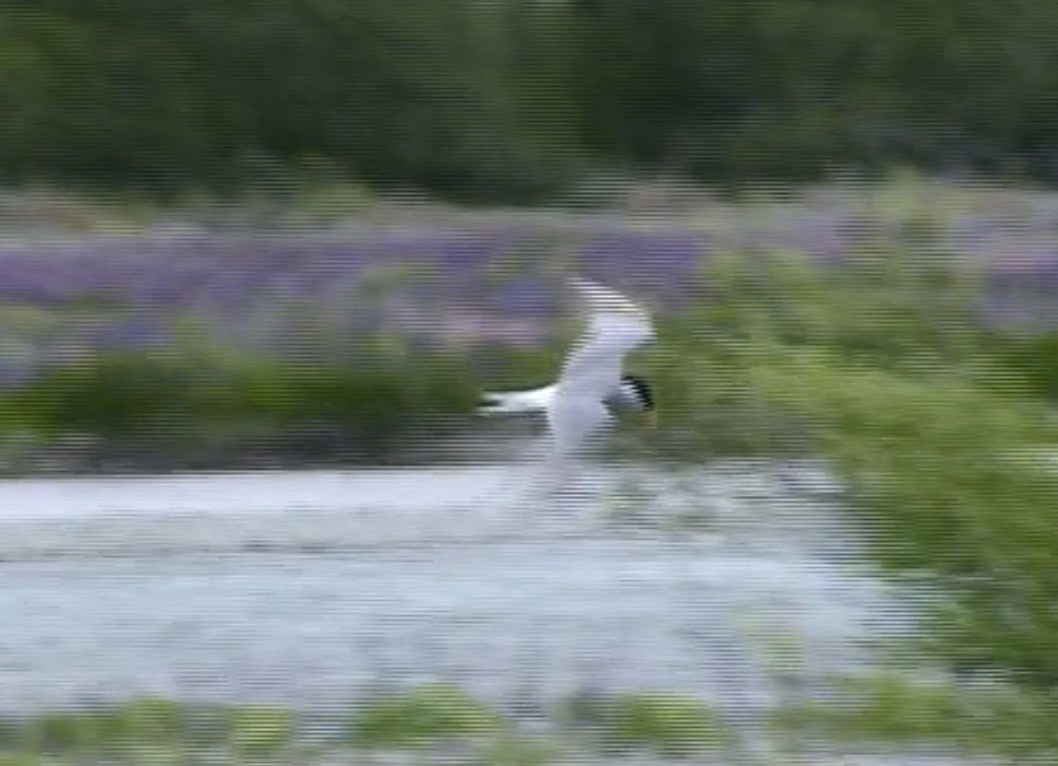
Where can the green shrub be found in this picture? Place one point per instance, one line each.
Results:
(194, 401)
(423, 715)
(135, 724)
(669, 724)
(261, 731)
(897, 708)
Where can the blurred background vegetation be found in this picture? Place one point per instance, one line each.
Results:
(517, 100)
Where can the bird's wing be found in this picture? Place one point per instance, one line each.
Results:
(615, 327)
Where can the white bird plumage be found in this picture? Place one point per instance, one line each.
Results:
(576, 405)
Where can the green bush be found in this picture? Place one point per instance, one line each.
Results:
(190, 402)
(261, 731)
(157, 731)
(898, 708)
(423, 715)
(117, 730)
(669, 724)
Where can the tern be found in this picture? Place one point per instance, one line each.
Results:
(591, 386)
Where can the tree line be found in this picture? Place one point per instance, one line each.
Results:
(516, 100)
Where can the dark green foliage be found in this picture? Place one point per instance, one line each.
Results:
(113, 395)
(1033, 358)
(187, 404)
(163, 96)
(511, 101)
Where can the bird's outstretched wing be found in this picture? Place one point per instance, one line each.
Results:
(615, 327)
(592, 371)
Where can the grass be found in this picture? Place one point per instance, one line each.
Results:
(669, 725)
(127, 732)
(896, 710)
(899, 709)
(425, 715)
(424, 720)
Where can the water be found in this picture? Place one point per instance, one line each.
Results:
(303, 587)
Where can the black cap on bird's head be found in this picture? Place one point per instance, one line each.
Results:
(640, 391)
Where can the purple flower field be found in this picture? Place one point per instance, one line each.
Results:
(471, 277)
(297, 293)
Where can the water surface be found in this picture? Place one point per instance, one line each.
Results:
(302, 587)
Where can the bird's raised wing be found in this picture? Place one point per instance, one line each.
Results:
(615, 327)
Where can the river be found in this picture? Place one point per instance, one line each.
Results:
(302, 587)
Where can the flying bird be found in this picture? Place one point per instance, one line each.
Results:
(591, 386)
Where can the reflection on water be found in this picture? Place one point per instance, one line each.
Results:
(301, 587)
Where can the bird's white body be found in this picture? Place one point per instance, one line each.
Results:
(591, 377)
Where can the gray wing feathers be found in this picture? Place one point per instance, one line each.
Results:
(593, 370)
(615, 327)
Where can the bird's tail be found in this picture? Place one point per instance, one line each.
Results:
(509, 402)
